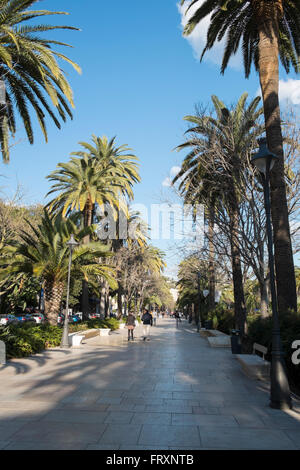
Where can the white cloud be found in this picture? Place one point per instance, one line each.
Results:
(167, 182)
(289, 91)
(197, 38)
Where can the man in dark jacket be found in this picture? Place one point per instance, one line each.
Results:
(147, 322)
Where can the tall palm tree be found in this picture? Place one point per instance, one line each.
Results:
(45, 254)
(81, 184)
(214, 167)
(268, 31)
(30, 72)
(99, 174)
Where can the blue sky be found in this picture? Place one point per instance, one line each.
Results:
(139, 78)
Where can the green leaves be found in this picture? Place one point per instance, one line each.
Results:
(31, 71)
(239, 20)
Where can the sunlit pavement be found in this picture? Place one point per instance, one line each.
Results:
(173, 392)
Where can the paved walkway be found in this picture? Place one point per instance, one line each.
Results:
(173, 392)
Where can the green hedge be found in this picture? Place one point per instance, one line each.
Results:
(222, 318)
(30, 338)
(24, 340)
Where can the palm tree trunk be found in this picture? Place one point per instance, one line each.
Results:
(87, 221)
(237, 274)
(53, 298)
(211, 267)
(269, 81)
(119, 300)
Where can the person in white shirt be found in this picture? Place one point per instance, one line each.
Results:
(154, 316)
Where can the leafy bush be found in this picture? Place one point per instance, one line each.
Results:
(24, 340)
(222, 318)
(111, 323)
(29, 338)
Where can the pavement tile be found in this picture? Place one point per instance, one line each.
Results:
(102, 447)
(204, 420)
(55, 432)
(109, 401)
(9, 428)
(36, 445)
(75, 416)
(244, 438)
(158, 435)
(169, 409)
(210, 410)
(121, 417)
(151, 418)
(3, 444)
(294, 435)
(121, 434)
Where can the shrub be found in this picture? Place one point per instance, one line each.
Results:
(24, 340)
(222, 318)
(260, 331)
(111, 323)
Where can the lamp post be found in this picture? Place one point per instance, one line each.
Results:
(72, 243)
(280, 397)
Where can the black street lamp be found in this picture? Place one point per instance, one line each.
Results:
(72, 243)
(280, 398)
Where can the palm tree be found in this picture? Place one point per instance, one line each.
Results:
(268, 30)
(117, 161)
(45, 254)
(214, 167)
(82, 184)
(100, 174)
(29, 71)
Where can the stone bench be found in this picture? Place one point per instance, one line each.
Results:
(253, 365)
(75, 339)
(219, 339)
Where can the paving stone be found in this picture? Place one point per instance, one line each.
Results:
(204, 420)
(36, 445)
(121, 417)
(55, 432)
(169, 435)
(244, 438)
(121, 434)
(152, 418)
(75, 416)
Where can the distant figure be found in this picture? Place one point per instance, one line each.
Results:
(154, 315)
(130, 325)
(178, 319)
(147, 322)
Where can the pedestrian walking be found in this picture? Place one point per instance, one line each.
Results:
(154, 316)
(130, 325)
(178, 319)
(147, 322)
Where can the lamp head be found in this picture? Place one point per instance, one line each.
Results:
(263, 157)
(72, 243)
